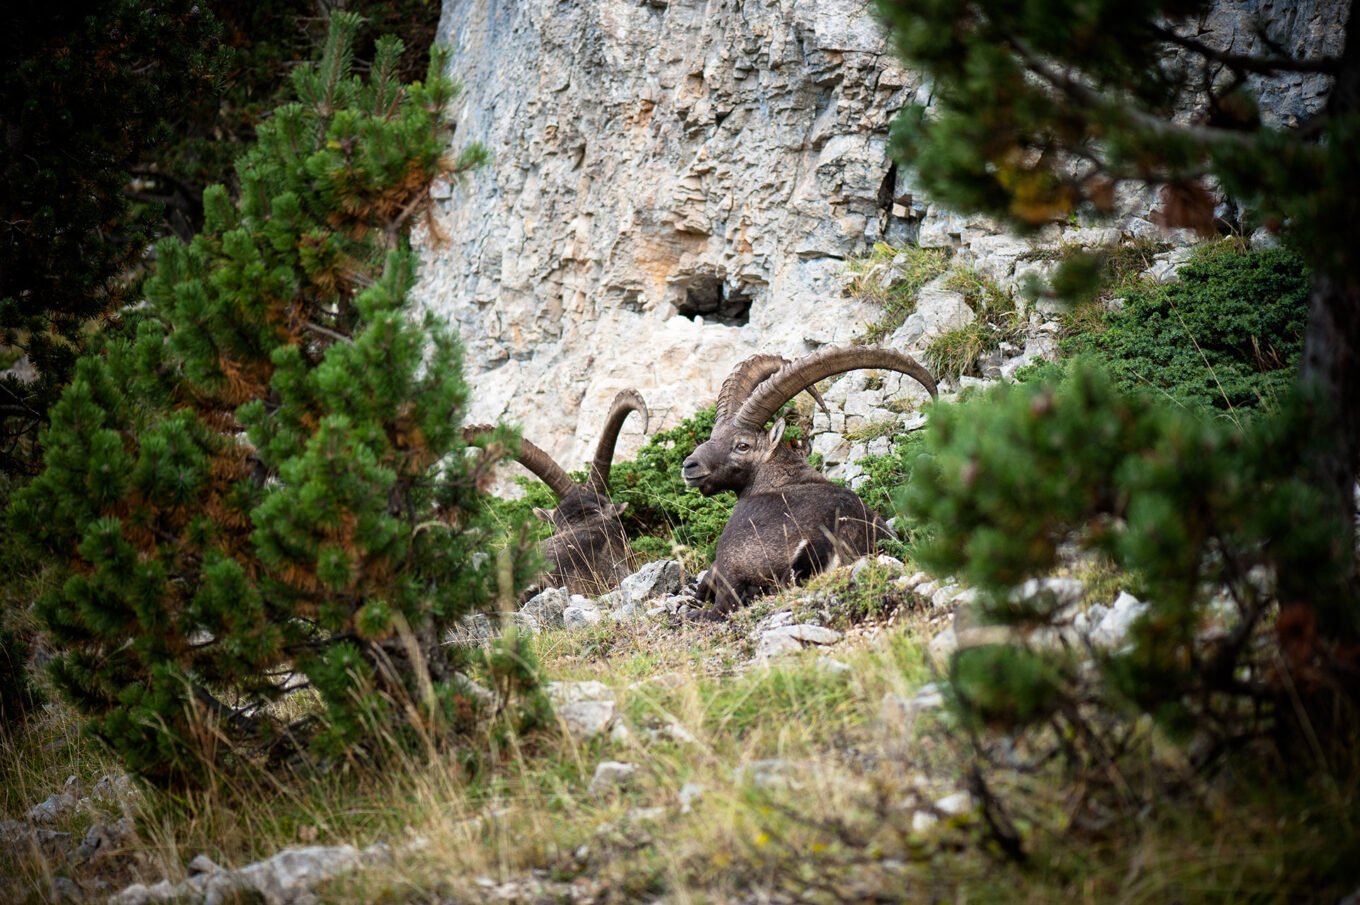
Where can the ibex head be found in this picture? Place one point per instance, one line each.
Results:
(741, 453)
(589, 549)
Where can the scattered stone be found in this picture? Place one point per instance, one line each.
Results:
(620, 734)
(1059, 593)
(663, 680)
(948, 806)
(679, 733)
(966, 597)
(584, 720)
(526, 623)
(471, 630)
(832, 665)
(118, 789)
(943, 645)
(646, 815)
(772, 773)
(103, 838)
(792, 638)
(610, 776)
(943, 596)
(656, 579)
(773, 621)
(288, 878)
(581, 613)
(547, 606)
(57, 806)
(570, 692)
(689, 793)
(202, 864)
(880, 563)
(17, 834)
(1166, 266)
(1113, 629)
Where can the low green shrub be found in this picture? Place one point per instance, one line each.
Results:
(1015, 482)
(1226, 335)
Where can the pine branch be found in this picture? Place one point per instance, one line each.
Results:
(1326, 65)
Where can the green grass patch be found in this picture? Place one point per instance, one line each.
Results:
(893, 277)
(959, 351)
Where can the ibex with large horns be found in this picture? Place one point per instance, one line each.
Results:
(588, 552)
(790, 522)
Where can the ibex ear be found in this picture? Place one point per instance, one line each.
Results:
(621, 508)
(544, 514)
(775, 434)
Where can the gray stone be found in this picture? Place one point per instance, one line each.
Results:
(569, 692)
(791, 638)
(584, 720)
(471, 630)
(526, 623)
(938, 311)
(1166, 265)
(880, 563)
(833, 666)
(943, 645)
(1059, 594)
(610, 776)
(103, 838)
(581, 615)
(1113, 628)
(689, 793)
(547, 607)
(655, 579)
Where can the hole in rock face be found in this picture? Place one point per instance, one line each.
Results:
(706, 297)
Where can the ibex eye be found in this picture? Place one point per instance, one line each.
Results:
(743, 447)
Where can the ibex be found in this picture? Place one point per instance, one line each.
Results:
(790, 522)
(588, 551)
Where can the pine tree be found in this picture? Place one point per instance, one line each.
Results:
(1044, 109)
(264, 487)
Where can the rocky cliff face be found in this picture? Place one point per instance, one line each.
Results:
(676, 185)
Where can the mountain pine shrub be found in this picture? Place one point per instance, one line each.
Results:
(262, 488)
(1212, 523)
(1225, 336)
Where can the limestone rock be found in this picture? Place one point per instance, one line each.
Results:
(787, 639)
(583, 720)
(610, 776)
(677, 186)
(655, 579)
(581, 613)
(547, 606)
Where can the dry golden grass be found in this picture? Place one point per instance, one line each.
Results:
(809, 789)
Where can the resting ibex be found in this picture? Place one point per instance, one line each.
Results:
(588, 551)
(790, 521)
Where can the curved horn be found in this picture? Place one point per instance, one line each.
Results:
(744, 379)
(532, 458)
(625, 403)
(795, 377)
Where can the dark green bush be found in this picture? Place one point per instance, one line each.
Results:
(1182, 502)
(265, 490)
(1226, 335)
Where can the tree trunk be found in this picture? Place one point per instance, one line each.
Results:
(1330, 370)
(1330, 374)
